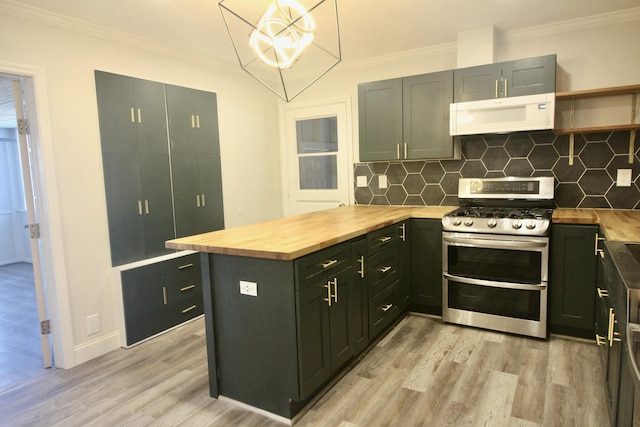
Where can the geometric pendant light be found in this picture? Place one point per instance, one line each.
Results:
(286, 45)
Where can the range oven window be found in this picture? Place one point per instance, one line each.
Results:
(515, 303)
(499, 265)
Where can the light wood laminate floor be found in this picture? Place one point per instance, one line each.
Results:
(20, 352)
(424, 373)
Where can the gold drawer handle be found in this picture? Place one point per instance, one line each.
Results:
(602, 293)
(385, 239)
(600, 340)
(186, 288)
(385, 269)
(361, 271)
(164, 295)
(387, 307)
(186, 310)
(182, 267)
(329, 263)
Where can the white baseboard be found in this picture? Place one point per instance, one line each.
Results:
(97, 347)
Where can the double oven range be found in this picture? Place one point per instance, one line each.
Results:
(496, 255)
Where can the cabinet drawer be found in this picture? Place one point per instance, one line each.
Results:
(383, 309)
(328, 262)
(382, 269)
(384, 238)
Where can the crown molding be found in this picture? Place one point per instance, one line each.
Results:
(63, 22)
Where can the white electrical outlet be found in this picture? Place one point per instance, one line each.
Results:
(624, 178)
(361, 181)
(382, 181)
(93, 324)
(249, 288)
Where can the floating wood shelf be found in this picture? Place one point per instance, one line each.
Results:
(632, 127)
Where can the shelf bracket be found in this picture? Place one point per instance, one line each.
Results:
(632, 133)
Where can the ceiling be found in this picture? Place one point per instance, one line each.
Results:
(368, 28)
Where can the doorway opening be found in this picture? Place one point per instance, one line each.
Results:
(25, 348)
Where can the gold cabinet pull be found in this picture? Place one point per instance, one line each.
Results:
(599, 251)
(329, 263)
(197, 121)
(385, 239)
(603, 293)
(403, 232)
(328, 287)
(133, 116)
(186, 310)
(335, 290)
(186, 288)
(139, 207)
(182, 267)
(387, 307)
(139, 116)
(193, 121)
(385, 269)
(197, 200)
(398, 151)
(612, 335)
(203, 201)
(146, 207)
(405, 150)
(496, 88)
(600, 340)
(164, 295)
(361, 271)
(506, 88)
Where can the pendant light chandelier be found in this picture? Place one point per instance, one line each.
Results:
(286, 45)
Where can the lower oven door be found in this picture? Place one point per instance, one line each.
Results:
(496, 282)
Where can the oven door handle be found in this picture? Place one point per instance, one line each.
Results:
(493, 284)
(496, 243)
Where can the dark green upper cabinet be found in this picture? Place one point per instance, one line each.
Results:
(161, 159)
(193, 121)
(132, 114)
(506, 79)
(406, 118)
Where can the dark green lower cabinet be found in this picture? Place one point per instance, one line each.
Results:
(159, 296)
(572, 280)
(426, 266)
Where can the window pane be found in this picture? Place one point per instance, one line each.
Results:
(318, 172)
(317, 135)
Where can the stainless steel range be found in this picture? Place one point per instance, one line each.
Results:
(496, 255)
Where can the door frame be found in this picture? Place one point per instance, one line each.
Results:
(286, 166)
(56, 293)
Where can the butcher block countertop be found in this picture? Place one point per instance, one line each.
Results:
(295, 236)
(616, 224)
(292, 237)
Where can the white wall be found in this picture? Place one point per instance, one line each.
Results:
(71, 148)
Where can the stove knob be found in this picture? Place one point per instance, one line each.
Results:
(531, 225)
(516, 224)
(491, 223)
(468, 222)
(456, 221)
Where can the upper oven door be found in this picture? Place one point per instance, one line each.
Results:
(496, 258)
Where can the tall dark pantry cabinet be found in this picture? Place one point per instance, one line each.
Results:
(162, 174)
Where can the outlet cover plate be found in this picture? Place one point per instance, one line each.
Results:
(623, 178)
(248, 288)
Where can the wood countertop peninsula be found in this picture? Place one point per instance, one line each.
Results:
(292, 237)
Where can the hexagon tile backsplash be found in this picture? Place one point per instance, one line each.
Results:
(589, 183)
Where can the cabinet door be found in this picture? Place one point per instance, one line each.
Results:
(572, 281)
(426, 100)
(124, 207)
(475, 83)
(340, 315)
(193, 120)
(211, 211)
(359, 299)
(529, 76)
(426, 265)
(380, 120)
(144, 301)
(132, 114)
(157, 203)
(314, 352)
(186, 193)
